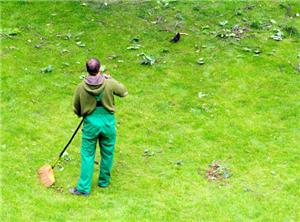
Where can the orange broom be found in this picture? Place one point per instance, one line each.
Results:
(45, 172)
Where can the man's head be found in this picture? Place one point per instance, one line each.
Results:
(93, 66)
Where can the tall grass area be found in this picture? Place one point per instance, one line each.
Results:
(240, 107)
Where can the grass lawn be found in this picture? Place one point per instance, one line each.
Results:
(240, 107)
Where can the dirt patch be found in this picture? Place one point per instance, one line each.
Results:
(217, 171)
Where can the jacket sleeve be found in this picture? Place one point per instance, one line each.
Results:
(76, 102)
(119, 89)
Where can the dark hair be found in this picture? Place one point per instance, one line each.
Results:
(93, 66)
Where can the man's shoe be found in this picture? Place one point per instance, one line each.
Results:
(74, 191)
(103, 187)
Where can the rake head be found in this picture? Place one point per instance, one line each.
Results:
(46, 175)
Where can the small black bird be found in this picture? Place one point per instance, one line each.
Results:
(175, 38)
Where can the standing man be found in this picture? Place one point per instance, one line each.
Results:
(94, 101)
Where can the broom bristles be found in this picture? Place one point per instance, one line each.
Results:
(46, 175)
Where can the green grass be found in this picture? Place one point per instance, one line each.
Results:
(249, 117)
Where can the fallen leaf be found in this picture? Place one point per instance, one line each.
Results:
(111, 57)
(80, 44)
(257, 51)
(147, 60)
(278, 35)
(148, 153)
(178, 162)
(201, 95)
(201, 61)
(223, 23)
(205, 27)
(47, 69)
(134, 47)
(66, 64)
(64, 51)
(246, 49)
(13, 47)
(66, 156)
(238, 12)
(68, 36)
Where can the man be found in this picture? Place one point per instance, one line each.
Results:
(94, 101)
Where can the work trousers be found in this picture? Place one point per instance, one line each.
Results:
(99, 125)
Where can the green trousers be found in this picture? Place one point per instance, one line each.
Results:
(99, 125)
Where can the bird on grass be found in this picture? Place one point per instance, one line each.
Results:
(175, 38)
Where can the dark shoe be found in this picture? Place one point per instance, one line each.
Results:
(74, 191)
(103, 186)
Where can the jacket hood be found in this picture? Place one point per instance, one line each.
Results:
(94, 90)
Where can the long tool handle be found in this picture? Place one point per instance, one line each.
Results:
(72, 137)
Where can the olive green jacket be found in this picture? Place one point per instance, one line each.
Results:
(84, 101)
